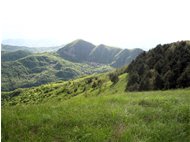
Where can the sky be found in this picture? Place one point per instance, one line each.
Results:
(120, 23)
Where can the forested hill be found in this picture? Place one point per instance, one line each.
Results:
(83, 51)
(164, 67)
(12, 56)
(21, 69)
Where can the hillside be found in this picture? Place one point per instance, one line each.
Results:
(41, 68)
(94, 109)
(83, 51)
(77, 50)
(13, 48)
(164, 67)
(12, 56)
(125, 57)
(103, 54)
(98, 107)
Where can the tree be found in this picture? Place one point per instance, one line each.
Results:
(164, 67)
(133, 81)
(158, 82)
(169, 80)
(114, 78)
(184, 79)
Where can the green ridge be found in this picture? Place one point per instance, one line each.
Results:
(42, 68)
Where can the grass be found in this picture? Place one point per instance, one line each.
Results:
(109, 114)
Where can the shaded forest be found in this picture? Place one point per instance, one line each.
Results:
(164, 67)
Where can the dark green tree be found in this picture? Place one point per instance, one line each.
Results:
(114, 78)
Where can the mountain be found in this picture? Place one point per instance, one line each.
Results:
(41, 68)
(12, 48)
(103, 54)
(83, 51)
(125, 57)
(12, 56)
(32, 42)
(77, 51)
(164, 67)
(99, 107)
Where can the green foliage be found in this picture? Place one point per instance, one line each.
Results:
(42, 68)
(164, 67)
(92, 85)
(184, 79)
(132, 79)
(12, 56)
(49, 113)
(114, 78)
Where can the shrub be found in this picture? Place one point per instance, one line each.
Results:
(114, 78)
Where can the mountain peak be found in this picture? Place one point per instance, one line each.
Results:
(80, 41)
(83, 51)
(77, 50)
(101, 45)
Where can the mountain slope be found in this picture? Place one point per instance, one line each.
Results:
(13, 48)
(103, 54)
(77, 50)
(164, 67)
(93, 109)
(125, 57)
(82, 51)
(12, 56)
(42, 68)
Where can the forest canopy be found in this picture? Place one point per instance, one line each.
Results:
(164, 67)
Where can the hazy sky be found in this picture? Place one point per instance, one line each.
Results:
(121, 23)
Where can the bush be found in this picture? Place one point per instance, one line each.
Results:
(114, 78)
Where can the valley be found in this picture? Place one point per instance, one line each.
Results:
(95, 71)
(148, 100)
(24, 67)
(42, 68)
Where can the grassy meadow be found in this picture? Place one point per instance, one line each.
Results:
(92, 109)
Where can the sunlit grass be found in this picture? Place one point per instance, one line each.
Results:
(111, 115)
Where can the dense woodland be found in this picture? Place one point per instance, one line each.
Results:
(21, 69)
(164, 67)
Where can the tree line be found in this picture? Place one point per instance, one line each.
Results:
(164, 67)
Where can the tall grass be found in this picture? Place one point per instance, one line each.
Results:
(112, 116)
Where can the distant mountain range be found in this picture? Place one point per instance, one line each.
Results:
(32, 42)
(83, 51)
(22, 69)
(24, 66)
(13, 48)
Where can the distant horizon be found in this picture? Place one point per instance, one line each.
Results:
(121, 23)
(52, 42)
